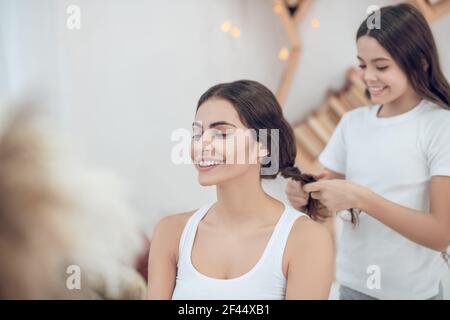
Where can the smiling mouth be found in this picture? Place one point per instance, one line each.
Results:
(376, 91)
(204, 164)
(209, 163)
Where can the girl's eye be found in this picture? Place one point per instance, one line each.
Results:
(362, 66)
(382, 68)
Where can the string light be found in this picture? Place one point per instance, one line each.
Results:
(277, 7)
(236, 32)
(315, 23)
(283, 54)
(226, 26)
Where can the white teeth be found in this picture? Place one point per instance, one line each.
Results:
(209, 163)
(376, 89)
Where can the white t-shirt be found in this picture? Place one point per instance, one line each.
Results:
(396, 158)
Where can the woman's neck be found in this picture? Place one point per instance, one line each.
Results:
(242, 201)
(403, 104)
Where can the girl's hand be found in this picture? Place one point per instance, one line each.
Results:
(297, 197)
(295, 194)
(336, 194)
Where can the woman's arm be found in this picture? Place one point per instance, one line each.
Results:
(431, 229)
(311, 261)
(163, 257)
(162, 262)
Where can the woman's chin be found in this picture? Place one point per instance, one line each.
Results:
(206, 183)
(382, 99)
(214, 178)
(377, 100)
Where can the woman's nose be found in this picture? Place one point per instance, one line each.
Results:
(206, 143)
(369, 76)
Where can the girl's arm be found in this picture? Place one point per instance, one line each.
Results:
(311, 261)
(163, 258)
(431, 229)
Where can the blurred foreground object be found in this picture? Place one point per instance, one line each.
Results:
(66, 231)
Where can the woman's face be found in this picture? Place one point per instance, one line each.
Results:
(222, 147)
(383, 77)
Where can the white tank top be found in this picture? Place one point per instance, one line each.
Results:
(265, 281)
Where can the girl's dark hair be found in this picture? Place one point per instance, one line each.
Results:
(258, 109)
(406, 35)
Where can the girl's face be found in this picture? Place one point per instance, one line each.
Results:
(383, 77)
(222, 147)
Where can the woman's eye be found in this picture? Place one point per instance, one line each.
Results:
(361, 66)
(382, 68)
(219, 134)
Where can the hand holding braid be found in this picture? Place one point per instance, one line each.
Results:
(313, 207)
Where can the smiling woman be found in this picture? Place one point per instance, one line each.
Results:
(246, 245)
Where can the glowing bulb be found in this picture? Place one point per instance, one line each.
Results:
(226, 26)
(315, 23)
(235, 32)
(283, 54)
(278, 7)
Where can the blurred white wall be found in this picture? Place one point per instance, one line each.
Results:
(132, 74)
(134, 71)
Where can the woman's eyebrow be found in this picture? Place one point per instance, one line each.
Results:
(221, 123)
(374, 60)
(380, 59)
(214, 124)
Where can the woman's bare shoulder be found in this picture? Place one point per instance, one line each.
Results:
(307, 234)
(167, 234)
(306, 229)
(174, 223)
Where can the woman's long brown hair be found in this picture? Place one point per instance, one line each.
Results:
(258, 108)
